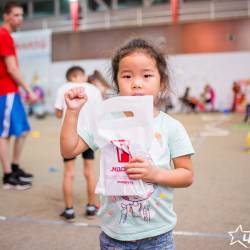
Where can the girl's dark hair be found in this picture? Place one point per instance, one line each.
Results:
(10, 5)
(139, 44)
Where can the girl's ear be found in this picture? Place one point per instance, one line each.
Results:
(163, 87)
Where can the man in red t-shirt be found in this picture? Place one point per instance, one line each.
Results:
(13, 119)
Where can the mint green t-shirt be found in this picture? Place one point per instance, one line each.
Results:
(132, 218)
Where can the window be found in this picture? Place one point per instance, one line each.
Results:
(129, 3)
(25, 9)
(64, 7)
(1, 13)
(43, 8)
(121, 4)
(188, 1)
(161, 1)
(96, 7)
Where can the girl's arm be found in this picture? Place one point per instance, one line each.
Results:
(70, 142)
(180, 176)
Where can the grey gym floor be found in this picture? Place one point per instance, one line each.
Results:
(217, 202)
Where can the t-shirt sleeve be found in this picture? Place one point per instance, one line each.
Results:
(98, 96)
(84, 131)
(88, 138)
(59, 102)
(85, 119)
(6, 45)
(179, 142)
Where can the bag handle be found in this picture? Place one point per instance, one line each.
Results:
(134, 104)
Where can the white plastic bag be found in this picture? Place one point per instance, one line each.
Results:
(120, 138)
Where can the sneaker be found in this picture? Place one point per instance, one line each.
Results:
(11, 181)
(91, 211)
(68, 214)
(22, 175)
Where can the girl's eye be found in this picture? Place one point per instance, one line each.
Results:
(148, 75)
(126, 76)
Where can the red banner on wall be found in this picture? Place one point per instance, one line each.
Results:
(74, 10)
(174, 8)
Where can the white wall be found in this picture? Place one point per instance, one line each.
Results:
(219, 70)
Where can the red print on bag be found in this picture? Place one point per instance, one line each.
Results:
(122, 155)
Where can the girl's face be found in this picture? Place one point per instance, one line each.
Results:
(138, 75)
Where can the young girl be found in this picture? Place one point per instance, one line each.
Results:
(132, 222)
(99, 81)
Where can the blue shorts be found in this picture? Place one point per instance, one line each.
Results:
(161, 242)
(13, 118)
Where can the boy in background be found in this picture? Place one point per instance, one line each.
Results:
(76, 78)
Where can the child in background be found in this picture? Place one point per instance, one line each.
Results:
(130, 222)
(99, 81)
(247, 96)
(76, 78)
(236, 92)
(188, 100)
(208, 98)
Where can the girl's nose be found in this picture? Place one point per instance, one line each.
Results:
(137, 84)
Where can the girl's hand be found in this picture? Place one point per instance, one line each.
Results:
(139, 168)
(75, 98)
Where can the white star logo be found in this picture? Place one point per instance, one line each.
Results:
(240, 236)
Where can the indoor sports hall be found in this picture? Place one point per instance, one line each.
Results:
(206, 44)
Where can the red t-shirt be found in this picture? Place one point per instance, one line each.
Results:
(7, 48)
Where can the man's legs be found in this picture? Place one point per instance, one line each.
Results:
(10, 179)
(17, 151)
(14, 122)
(4, 154)
(18, 147)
